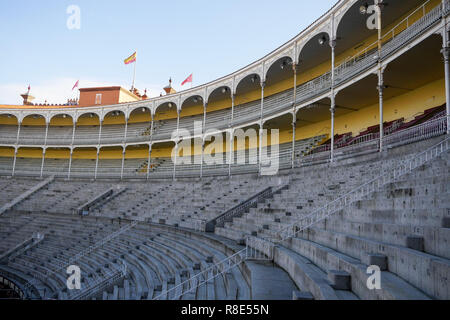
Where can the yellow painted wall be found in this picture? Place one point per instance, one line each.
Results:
(84, 154)
(6, 152)
(68, 121)
(403, 106)
(29, 153)
(57, 153)
(8, 121)
(88, 121)
(30, 121)
(166, 114)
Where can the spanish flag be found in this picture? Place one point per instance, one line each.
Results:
(131, 59)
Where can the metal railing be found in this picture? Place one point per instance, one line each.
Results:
(101, 284)
(403, 168)
(370, 142)
(62, 265)
(255, 248)
(23, 246)
(259, 248)
(204, 276)
(102, 242)
(393, 41)
(244, 206)
(427, 130)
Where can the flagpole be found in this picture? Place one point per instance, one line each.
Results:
(134, 73)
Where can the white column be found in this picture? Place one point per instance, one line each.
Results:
(263, 84)
(201, 164)
(46, 132)
(231, 152)
(151, 129)
(446, 53)
(98, 147)
(294, 114)
(15, 149)
(73, 133)
(294, 125)
(332, 110)
(175, 161)
(333, 98)
(178, 122)
(149, 159)
(123, 163)
(233, 96)
(96, 164)
(47, 123)
(100, 132)
(14, 163)
(380, 72)
(43, 161)
(70, 163)
(150, 147)
(230, 125)
(205, 105)
(18, 132)
(380, 95)
(176, 146)
(126, 130)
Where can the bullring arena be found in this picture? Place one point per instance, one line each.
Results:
(300, 176)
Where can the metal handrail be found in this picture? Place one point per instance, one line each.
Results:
(102, 242)
(102, 283)
(405, 167)
(205, 276)
(64, 264)
(425, 130)
(242, 207)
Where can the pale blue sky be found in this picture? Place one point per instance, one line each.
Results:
(173, 39)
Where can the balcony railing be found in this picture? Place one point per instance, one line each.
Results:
(371, 142)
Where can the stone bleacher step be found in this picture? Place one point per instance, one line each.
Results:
(392, 286)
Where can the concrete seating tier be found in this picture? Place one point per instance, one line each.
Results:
(403, 229)
(12, 188)
(157, 258)
(406, 225)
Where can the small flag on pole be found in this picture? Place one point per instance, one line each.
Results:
(76, 85)
(131, 59)
(189, 79)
